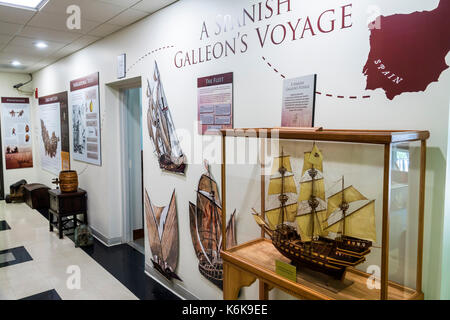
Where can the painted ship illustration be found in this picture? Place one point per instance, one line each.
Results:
(161, 128)
(326, 235)
(206, 229)
(162, 226)
(50, 142)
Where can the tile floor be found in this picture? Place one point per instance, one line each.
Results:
(51, 258)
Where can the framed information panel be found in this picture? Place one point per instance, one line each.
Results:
(16, 127)
(86, 121)
(54, 134)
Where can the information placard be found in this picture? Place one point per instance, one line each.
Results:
(86, 121)
(54, 134)
(299, 101)
(215, 103)
(16, 127)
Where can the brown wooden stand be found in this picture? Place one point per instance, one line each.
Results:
(256, 260)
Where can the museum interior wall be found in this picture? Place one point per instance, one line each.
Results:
(196, 38)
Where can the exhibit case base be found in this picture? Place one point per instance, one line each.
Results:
(254, 260)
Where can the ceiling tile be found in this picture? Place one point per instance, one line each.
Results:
(104, 30)
(93, 10)
(9, 28)
(27, 53)
(25, 59)
(15, 15)
(59, 6)
(29, 43)
(79, 44)
(4, 39)
(59, 22)
(128, 17)
(123, 3)
(151, 6)
(48, 35)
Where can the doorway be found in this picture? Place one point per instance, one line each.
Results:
(133, 171)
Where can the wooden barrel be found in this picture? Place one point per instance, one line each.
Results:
(68, 181)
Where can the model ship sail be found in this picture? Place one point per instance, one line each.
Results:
(206, 229)
(282, 185)
(312, 205)
(351, 214)
(161, 127)
(162, 226)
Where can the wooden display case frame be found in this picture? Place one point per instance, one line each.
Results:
(242, 269)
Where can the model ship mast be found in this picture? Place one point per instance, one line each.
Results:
(282, 193)
(350, 214)
(312, 205)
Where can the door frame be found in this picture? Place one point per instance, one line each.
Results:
(118, 88)
(2, 178)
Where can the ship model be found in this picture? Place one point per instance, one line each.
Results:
(161, 128)
(162, 227)
(206, 229)
(325, 235)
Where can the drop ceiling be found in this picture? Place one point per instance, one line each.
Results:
(21, 29)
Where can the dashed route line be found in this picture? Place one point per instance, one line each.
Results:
(329, 95)
(148, 54)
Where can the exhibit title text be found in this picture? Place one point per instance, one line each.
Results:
(266, 33)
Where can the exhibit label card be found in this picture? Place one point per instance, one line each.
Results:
(215, 103)
(86, 121)
(54, 134)
(17, 142)
(299, 101)
(286, 270)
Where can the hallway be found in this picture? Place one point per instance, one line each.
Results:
(34, 263)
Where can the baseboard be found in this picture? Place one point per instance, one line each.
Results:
(106, 241)
(175, 288)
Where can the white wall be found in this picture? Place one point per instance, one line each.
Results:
(7, 81)
(337, 58)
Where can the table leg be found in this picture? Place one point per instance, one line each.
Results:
(234, 280)
(50, 220)
(60, 227)
(263, 290)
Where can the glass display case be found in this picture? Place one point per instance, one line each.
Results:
(324, 214)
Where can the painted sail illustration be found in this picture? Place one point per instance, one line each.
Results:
(330, 234)
(161, 128)
(206, 229)
(162, 226)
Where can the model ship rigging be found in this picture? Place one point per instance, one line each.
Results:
(206, 229)
(161, 128)
(326, 236)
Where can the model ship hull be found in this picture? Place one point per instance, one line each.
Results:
(325, 255)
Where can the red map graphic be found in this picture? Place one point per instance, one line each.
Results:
(408, 52)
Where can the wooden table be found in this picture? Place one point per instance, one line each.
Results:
(63, 205)
(253, 260)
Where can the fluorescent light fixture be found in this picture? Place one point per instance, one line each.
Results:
(16, 63)
(24, 4)
(41, 45)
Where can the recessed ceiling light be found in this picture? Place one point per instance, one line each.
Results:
(41, 45)
(16, 63)
(24, 4)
